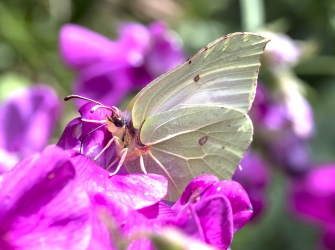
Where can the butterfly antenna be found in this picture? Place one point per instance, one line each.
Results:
(113, 109)
(82, 98)
(99, 104)
(93, 130)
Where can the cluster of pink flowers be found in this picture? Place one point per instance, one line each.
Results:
(61, 198)
(284, 127)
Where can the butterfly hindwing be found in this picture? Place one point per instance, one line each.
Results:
(186, 143)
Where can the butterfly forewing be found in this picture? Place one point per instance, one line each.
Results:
(224, 73)
(185, 143)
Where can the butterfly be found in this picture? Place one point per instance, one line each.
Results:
(193, 119)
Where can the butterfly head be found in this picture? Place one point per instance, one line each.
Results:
(116, 124)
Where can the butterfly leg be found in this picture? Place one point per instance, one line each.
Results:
(107, 146)
(123, 154)
(111, 164)
(142, 165)
(118, 143)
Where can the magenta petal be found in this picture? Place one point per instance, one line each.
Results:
(313, 195)
(106, 82)
(159, 210)
(189, 222)
(71, 135)
(165, 44)
(134, 190)
(102, 65)
(134, 38)
(215, 217)
(28, 118)
(94, 142)
(40, 166)
(101, 235)
(328, 238)
(99, 114)
(42, 205)
(259, 202)
(125, 222)
(79, 130)
(291, 153)
(239, 200)
(7, 160)
(80, 47)
(193, 190)
(254, 177)
(254, 172)
(209, 220)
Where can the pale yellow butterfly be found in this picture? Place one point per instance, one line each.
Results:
(193, 119)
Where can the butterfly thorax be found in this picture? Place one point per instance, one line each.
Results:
(128, 136)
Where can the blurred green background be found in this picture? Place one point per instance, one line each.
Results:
(29, 54)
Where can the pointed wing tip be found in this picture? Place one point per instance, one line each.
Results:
(262, 39)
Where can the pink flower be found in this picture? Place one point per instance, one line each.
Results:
(312, 198)
(254, 178)
(284, 126)
(28, 118)
(281, 51)
(209, 210)
(108, 70)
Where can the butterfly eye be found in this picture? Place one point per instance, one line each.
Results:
(119, 122)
